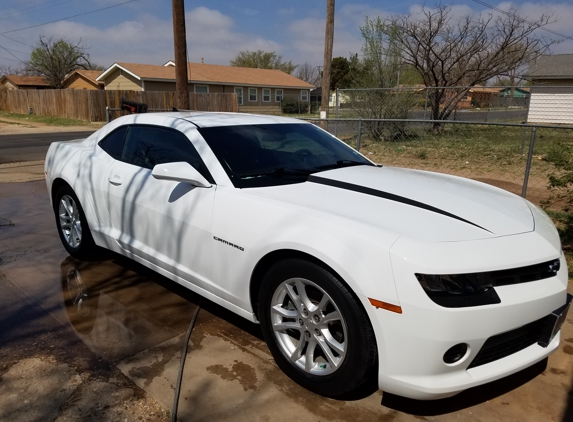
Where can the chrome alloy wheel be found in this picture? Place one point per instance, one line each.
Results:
(70, 222)
(308, 326)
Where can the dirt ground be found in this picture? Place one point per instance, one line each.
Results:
(15, 126)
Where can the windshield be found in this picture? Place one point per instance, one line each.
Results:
(277, 154)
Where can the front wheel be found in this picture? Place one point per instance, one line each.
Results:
(316, 329)
(72, 224)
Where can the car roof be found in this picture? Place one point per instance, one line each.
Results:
(203, 119)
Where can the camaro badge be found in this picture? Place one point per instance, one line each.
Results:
(218, 239)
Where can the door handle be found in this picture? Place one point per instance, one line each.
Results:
(115, 180)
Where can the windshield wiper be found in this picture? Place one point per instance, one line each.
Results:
(279, 172)
(343, 163)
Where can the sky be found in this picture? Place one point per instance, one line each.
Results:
(140, 31)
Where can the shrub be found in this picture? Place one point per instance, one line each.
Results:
(295, 106)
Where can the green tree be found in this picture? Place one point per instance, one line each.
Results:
(56, 59)
(340, 73)
(262, 60)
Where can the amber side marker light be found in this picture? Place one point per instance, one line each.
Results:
(384, 305)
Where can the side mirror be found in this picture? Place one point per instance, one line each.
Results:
(180, 172)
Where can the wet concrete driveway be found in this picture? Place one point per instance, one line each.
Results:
(126, 325)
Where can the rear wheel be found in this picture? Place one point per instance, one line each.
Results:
(316, 329)
(72, 224)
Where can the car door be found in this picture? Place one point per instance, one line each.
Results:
(165, 222)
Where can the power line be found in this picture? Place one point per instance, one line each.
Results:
(8, 51)
(8, 58)
(68, 17)
(42, 4)
(489, 6)
(19, 42)
(27, 2)
(17, 51)
(34, 11)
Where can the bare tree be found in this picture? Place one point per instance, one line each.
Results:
(450, 52)
(308, 73)
(10, 70)
(380, 67)
(56, 59)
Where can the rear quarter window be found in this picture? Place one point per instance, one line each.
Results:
(113, 143)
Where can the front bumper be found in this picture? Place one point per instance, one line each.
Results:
(411, 345)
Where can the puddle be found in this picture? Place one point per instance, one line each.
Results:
(118, 312)
(119, 308)
(239, 371)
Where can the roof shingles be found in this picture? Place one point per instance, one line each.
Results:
(553, 66)
(217, 74)
(27, 80)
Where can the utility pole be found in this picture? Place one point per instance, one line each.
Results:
(180, 45)
(328, 41)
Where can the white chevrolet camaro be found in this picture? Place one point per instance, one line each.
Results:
(426, 283)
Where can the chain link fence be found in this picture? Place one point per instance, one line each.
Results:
(475, 104)
(513, 156)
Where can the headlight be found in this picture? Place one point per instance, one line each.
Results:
(477, 289)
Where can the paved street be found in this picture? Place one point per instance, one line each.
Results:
(32, 146)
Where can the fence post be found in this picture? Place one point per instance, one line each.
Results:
(529, 158)
(107, 117)
(359, 135)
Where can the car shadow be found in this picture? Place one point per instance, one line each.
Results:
(467, 398)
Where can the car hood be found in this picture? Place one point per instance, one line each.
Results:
(416, 204)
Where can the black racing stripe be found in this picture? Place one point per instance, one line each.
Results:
(386, 195)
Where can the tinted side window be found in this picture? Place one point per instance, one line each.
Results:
(146, 146)
(113, 143)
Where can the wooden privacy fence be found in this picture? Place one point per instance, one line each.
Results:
(90, 105)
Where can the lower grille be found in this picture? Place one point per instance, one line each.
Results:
(505, 344)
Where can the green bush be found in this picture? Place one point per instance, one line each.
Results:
(295, 106)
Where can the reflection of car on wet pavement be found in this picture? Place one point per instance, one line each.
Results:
(117, 312)
(427, 283)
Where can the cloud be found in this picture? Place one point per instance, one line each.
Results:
(307, 35)
(285, 12)
(561, 17)
(149, 39)
(146, 34)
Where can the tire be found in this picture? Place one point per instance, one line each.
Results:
(72, 225)
(337, 356)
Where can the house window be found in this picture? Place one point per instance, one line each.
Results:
(304, 95)
(252, 94)
(239, 92)
(266, 95)
(201, 89)
(278, 95)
